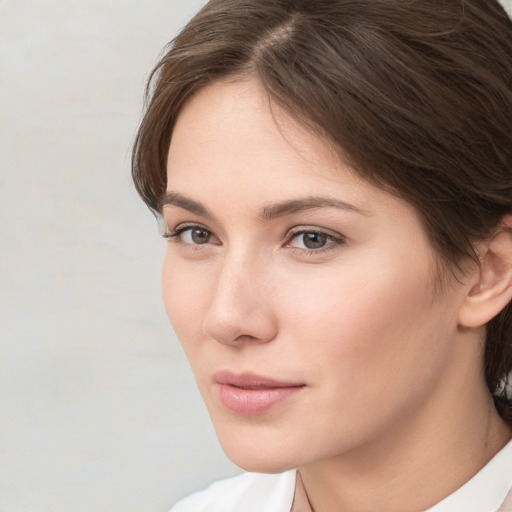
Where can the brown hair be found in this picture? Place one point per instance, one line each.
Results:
(416, 95)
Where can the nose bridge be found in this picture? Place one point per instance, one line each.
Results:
(240, 306)
(233, 283)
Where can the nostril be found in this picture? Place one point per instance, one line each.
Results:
(246, 338)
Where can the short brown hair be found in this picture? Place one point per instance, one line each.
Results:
(416, 94)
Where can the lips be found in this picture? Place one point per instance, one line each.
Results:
(248, 394)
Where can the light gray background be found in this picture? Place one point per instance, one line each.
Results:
(98, 410)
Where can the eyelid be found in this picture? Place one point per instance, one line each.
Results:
(182, 226)
(297, 230)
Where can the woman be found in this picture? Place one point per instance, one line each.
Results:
(335, 178)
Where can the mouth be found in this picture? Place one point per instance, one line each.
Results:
(249, 394)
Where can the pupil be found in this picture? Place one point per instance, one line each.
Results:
(315, 240)
(200, 236)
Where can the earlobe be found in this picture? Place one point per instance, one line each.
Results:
(491, 289)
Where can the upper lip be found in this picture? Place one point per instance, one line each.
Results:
(250, 380)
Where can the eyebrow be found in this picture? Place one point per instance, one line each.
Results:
(308, 203)
(270, 212)
(179, 200)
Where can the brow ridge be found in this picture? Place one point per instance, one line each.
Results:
(269, 212)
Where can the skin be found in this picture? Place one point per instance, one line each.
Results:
(393, 388)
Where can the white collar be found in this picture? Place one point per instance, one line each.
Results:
(486, 491)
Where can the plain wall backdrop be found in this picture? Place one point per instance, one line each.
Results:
(98, 408)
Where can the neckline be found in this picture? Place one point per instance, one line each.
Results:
(487, 490)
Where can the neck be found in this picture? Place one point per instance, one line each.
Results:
(417, 463)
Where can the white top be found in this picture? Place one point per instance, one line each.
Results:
(257, 492)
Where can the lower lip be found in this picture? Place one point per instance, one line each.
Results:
(253, 402)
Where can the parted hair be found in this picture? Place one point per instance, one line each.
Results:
(416, 95)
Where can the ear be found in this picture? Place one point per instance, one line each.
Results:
(491, 288)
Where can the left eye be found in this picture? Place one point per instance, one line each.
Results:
(311, 240)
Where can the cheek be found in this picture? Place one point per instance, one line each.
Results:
(365, 323)
(185, 294)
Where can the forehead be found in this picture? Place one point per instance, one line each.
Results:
(236, 112)
(232, 132)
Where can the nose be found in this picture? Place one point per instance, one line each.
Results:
(241, 309)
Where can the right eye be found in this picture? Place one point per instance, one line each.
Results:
(193, 235)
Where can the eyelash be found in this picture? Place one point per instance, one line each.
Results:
(333, 240)
(175, 236)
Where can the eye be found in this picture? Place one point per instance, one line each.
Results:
(314, 241)
(193, 235)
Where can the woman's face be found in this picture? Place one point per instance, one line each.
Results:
(304, 297)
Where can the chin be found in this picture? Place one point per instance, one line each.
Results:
(260, 451)
(261, 462)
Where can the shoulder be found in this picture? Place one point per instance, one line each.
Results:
(247, 492)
